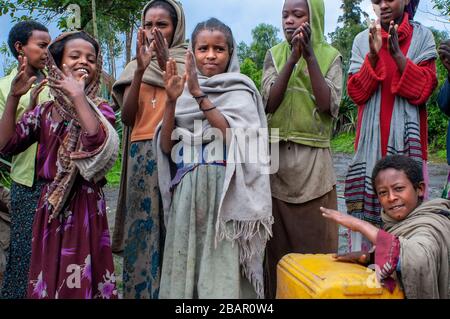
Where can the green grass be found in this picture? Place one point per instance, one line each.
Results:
(113, 176)
(439, 156)
(343, 143)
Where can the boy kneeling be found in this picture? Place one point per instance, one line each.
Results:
(414, 243)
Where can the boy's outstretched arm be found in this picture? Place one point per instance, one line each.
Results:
(355, 224)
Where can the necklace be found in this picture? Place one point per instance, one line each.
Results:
(154, 99)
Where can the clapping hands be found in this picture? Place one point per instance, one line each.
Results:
(23, 81)
(67, 83)
(301, 42)
(146, 49)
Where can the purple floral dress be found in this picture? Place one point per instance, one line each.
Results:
(71, 256)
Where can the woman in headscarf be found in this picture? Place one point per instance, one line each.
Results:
(71, 254)
(140, 93)
(217, 212)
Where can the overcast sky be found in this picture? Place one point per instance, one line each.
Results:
(243, 15)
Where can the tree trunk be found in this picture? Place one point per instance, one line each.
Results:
(128, 42)
(112, 58)
(94, 19)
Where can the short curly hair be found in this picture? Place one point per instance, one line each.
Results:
(411, 168)
(21, 32)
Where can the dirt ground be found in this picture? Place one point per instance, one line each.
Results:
(437, 172)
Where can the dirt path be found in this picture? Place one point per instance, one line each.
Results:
(437, 173)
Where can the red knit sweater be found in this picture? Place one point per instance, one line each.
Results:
(416, 84)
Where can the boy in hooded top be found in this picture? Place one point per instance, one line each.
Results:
(302, 87)
(28, 39)
(414, 243)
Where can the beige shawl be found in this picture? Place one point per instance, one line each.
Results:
(424, 249)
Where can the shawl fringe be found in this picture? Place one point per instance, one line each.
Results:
(243, 232)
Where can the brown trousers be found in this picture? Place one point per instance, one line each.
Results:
(299, 228)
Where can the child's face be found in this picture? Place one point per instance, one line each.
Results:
(397, 194)
(390, 10)
(295, 13)
(36, 49)
(79, 55)
(159, 18)
(211, 52)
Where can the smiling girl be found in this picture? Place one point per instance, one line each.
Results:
(71, 254)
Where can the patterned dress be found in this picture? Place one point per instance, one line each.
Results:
(71, 255)
(144, 230)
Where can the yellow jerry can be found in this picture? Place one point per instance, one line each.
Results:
(302, 276)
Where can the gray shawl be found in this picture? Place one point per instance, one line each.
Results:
(424, 249)
(245, 201)
(404, 135)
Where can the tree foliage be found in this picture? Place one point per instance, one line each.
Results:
(437, 121)
(251, 57)
(342, 39)
(352, 13)
(249, 68)
(8, 62)
(114, 19)
(443, 6)
(121, 13)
